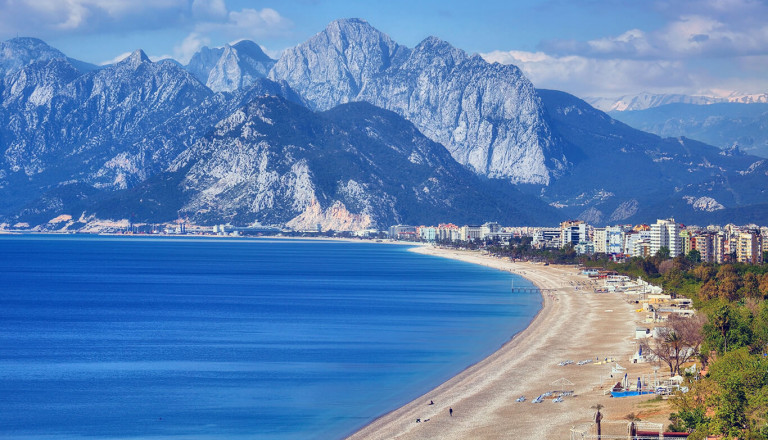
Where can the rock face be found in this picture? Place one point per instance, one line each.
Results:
(17, 53)
(230, 68)
(269, 162)
(487, 115)
(54, 117)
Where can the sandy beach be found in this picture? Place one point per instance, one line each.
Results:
(572, 325)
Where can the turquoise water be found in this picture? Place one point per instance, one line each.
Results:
(215, 338)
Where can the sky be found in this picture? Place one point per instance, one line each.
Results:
(590, 48)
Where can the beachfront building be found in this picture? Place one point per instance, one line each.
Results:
(427, 233)
(585, 248)
(403, 232)
(615, 237)
(600, 240)
(638, 243)
(546, 238)
(470, 233)
(666, 233)
(447, 232)
(749, 247)
(492, 230)
(572, 232)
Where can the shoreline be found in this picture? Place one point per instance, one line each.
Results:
(483, 396)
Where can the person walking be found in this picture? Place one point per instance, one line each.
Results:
(450, 411)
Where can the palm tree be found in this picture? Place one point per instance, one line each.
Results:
(598, 418)
(632, 417)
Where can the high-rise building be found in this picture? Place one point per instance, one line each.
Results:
(572, 231)
(616, 239)
(685, 241)
(748, 247)
(600, 240)
(665, 233)
(704, 243)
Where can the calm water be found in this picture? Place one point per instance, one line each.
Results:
(212, 338)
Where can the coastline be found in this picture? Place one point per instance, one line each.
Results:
(572, 325)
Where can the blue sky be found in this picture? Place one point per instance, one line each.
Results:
(602, 48)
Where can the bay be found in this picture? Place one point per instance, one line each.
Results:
(112, 337)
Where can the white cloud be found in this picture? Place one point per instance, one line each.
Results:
(249, 23)
(584, 76)
(700, 46)
(711, 28)
(116, 59)
(184, 51)
(48, 16)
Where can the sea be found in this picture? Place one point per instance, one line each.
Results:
(210, 338)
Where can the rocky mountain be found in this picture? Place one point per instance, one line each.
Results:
(724, 125)
(351, 130)
(624, 174)
(354, 165)
(487, 115)
(19, 52)
(55, 116)
(276, 162)
(230, 68)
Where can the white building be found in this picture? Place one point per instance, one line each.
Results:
(471, 233)
(615, 237)
(666, 233)
(546, 237)
(638, 243)
(572, 232)
(600, 240)
(428, 233)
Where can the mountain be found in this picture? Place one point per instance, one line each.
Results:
(17, 53)
(276, 162)
(58, 124)
(644, 101)
(231, 67)
(487, 115)
(624, 174)
(349, 129)
(724, 125)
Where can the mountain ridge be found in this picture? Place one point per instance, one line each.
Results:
(101, 141)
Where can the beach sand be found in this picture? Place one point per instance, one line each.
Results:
(572, 325)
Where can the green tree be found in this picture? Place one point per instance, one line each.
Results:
(663, 253)
(694, 256)
(739, 398)
(726, 329)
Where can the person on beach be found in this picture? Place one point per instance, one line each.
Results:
(450, 411)
(431, 402)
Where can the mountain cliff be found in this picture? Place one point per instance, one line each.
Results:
(487, 115)
(231, 67)
(276, 162)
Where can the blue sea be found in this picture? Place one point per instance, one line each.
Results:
(117, 338)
